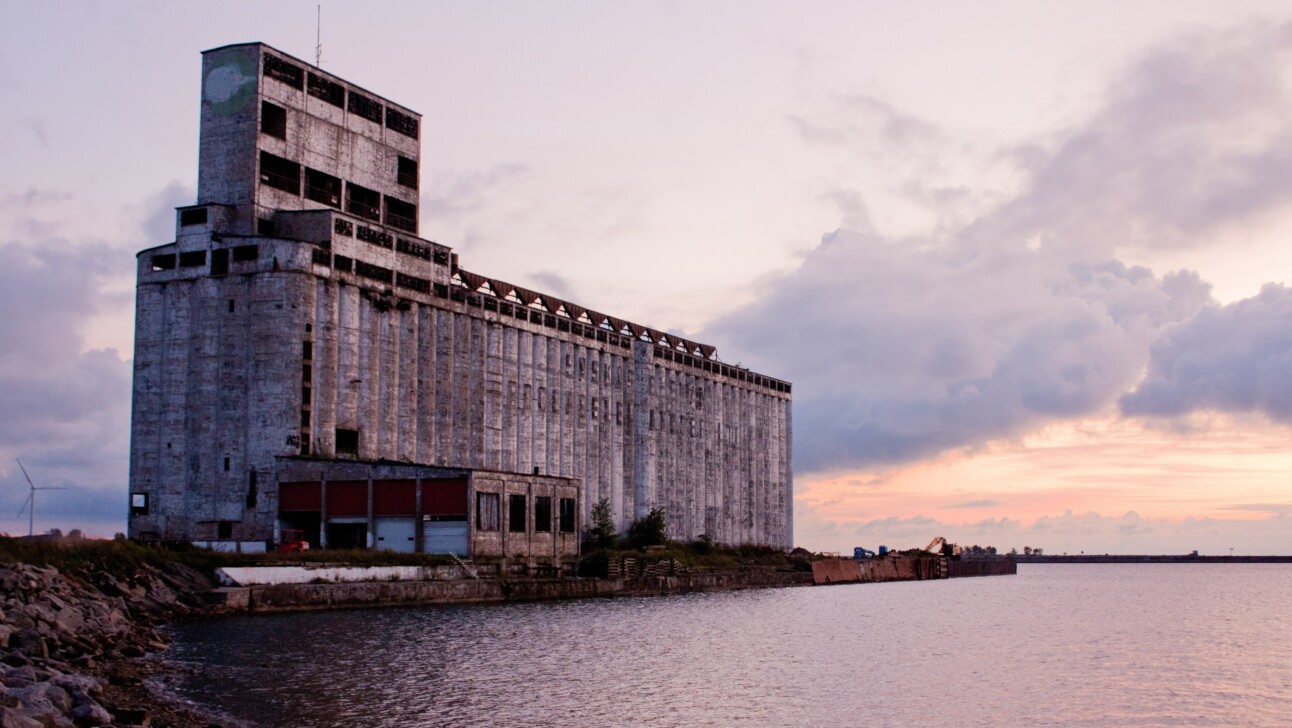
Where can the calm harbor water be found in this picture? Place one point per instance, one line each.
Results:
(1057, 645)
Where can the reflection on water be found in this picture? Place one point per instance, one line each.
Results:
(1063, 645)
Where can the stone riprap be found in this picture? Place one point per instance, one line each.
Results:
(61, 637)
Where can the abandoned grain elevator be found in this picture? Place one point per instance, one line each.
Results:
(304, 361)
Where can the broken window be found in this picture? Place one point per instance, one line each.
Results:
(194, 216)
(516, 513)
(401, 122)
(343, 226)
(273, 120)
(244, 253)
(279, 173)
(486, 511)
(413, 283)
(369, 109)
(400, 214)
(567, 515)
(329, 91)
(543, 513)
(407, 174)
(289, 73)
(362, 201)
(192, 259)
(322, 187)
(163, 262)
(347, 442)
(341, 262)
(220, 262)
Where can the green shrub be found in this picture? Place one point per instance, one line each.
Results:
(649, 530)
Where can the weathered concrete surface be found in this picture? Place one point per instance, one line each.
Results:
(308, 597)
(840, 571)
(263, 575)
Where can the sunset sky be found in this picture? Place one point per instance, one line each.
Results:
(1025, 263)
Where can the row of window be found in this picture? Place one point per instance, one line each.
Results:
(273, 122)
(488, 514)
(337, 95)
(197, 259)
(284, 174)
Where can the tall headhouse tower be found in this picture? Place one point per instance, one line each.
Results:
(306, 365)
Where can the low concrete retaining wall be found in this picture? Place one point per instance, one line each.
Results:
(843, 571)
(292, 597)
(982, 567)
(258, 575)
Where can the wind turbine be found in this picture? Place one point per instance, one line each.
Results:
(31, 499)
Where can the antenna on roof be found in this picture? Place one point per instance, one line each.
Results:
(318, 37)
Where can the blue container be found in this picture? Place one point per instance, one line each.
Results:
(883, 550)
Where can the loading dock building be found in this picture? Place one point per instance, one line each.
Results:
(304, 360)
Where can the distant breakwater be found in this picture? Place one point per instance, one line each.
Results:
(1150, 559)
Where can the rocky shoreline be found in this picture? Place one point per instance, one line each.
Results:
(74, 644)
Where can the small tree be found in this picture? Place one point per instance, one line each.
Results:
(602, 534)
(649, 530)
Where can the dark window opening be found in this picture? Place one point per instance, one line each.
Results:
(365, 107)
(487, 511)
(279, 173)
(407, 175)
(307, 375)
(322, 257)
(273, 120)
(195, 216)
(417, 250)
(305, 418)
(305, 395)
(376, 237)
(138, 504)
(343, 227)
(307, 350)
(220, 262)
(243, 253)
(516, 513)
(329, 91)
(441, 257)
(192, 259)
(251, 489)
(224, 529)
(413, 283)
(362, 201)
(340, 262)
(231, 305)
(164, 262)
(400, 214)
(289, 73)
(347, 442)
(322, 187)
(305, 443)
(226, 465)
(543, 513)
(401, 122)
(567, 515)
(375, 272)
(266, 227)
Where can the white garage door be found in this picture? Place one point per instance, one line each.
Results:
(396, 534)
(445, 537)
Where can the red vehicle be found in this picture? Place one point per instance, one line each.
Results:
(292, 541)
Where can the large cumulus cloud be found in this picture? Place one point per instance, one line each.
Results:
(1236, 358)
(901, 349)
